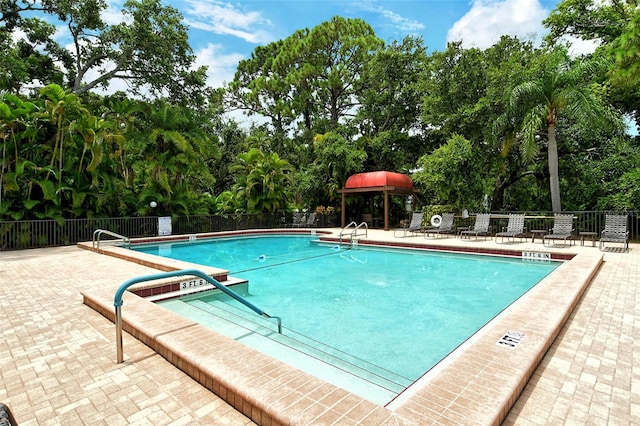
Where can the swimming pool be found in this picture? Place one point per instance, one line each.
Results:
(392, 313)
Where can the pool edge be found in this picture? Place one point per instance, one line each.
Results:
(467, 381)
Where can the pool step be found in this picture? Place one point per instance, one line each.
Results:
(313, 347)
(299, 342)
(356, 375)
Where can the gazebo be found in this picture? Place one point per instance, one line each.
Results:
(389, 183)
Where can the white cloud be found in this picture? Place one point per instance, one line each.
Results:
(222, 67)
(402, 23)
(62, 33)
(578, 47)
(113, 15)
(399, 22)
(18, 35)
(224, 19)
(488, 20)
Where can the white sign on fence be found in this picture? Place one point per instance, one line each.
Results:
(164, 225)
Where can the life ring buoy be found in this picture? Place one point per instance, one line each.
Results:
(436, 220)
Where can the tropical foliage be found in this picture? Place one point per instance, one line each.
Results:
(149, 49)
(562, 89)
(513, 126)
(262, 184)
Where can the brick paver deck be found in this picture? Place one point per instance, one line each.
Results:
(590, 375)
(57, 356)
(57, 364)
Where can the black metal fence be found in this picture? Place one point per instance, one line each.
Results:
(26, 234)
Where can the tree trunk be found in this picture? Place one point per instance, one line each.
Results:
(554, 178)
(497, 198)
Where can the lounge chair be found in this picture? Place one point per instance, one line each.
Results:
(515, 228)
(562, 229)
(412, 227)
(446, 226)
(615, 231)
(311, 220)
(481, 227)
(297, 221)
(368, 219)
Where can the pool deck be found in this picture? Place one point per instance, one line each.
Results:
(57, 355)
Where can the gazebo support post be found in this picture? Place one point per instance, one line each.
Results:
(344, 209)
(386, 210)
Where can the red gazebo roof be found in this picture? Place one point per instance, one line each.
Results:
(378, 180)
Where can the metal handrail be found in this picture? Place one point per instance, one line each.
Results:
(354, 233)
(346, 228)
(98, 232)
(366, 228)
(117, 300)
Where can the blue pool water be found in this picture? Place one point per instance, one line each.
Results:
(401, 310)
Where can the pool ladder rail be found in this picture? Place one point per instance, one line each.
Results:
(352, 231)
(98, 233)
(117, 300)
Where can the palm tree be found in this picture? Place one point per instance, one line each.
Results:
(172, 164)
(67, 114)
(562, 88)
(262, 183)
(125, 114)
(17, 126)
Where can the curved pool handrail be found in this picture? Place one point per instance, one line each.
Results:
(117, 299)
(98, 232)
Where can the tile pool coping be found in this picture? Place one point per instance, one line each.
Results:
(478, 386)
